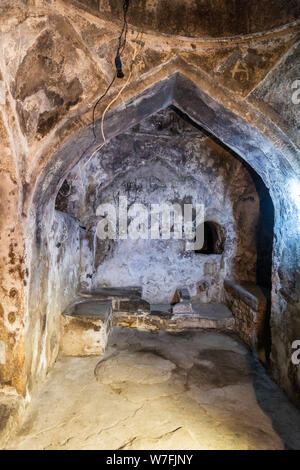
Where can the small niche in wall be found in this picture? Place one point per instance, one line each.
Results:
(214, 238)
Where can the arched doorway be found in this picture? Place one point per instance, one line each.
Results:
(234, 132)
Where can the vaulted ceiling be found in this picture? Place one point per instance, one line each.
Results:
(200, 18)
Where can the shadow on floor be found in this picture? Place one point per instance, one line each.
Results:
(285, 417)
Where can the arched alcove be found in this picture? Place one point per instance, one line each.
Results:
(231, 130)
(165, 160)
(214, 239)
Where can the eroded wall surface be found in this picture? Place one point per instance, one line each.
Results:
(13, 271)
(164, 160)
(53, 287)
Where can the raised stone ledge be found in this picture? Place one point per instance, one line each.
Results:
(251, 294)
(85, 328)
(86, 324)
(127, 299)
(248, 306)
(169, 322)
(113, 292)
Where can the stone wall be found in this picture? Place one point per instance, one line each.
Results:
(13, 269)
(53, 288)
(166, 160)
(249, 308)
(208, 18)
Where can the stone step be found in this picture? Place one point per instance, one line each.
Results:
(213, 311)
(85, 327)
(126, 300)
(213, 315)
(86, 324)
(114, 292)
(204, 316)
(90, 308)
(160, 309)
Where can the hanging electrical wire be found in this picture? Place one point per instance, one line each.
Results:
(135, 52)
(122, 40)
(98, 101)
(118, 63)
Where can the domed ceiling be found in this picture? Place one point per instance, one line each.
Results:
(200, 18)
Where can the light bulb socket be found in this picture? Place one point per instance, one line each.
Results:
(118, 64)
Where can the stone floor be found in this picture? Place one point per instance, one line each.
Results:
(161, 390)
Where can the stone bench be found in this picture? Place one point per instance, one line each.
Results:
(87, 322)
(85, 327)
(124, 300)
(205, 316)
(248, 305)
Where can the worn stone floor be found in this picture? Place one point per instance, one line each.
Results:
(160, 390)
